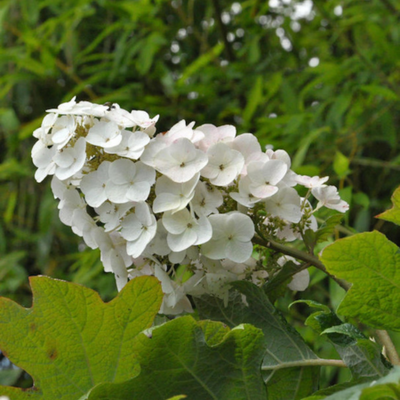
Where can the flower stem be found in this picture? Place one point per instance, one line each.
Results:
(319, 362)
(300, 255)
(390, 349)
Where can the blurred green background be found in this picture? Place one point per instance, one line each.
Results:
(318, 79)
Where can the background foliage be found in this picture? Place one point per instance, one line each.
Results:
(320, 80)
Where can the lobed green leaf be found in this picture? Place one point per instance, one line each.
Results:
(70, 340)
(372, 264)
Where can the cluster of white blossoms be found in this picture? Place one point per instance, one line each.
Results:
(183, 205)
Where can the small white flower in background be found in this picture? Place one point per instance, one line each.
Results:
(328, 196)
(301, 280)
(311, 182)
(187, 196)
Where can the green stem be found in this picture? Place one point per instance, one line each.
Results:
(319, 362)
(300, 255)
(390, 349)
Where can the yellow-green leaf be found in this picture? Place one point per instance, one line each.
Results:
(70, 340)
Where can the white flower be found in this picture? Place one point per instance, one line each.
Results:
(328, 196)
(81, 108)
(143, 119)
(70, 160)
(213, 135)
(224, 164)
(172, 196)
(311, 182)
(151, 151)
(42, 158)
(104, 134)
(281, 155)
(245, 197)
(301, 280)
(131, 146)
(83, 225)
(110, 214)
(265, 176)
(93, 185)
(159, 244)
(206, 199)
(138, 228)
(184, 230)
(259, 277)
(124, 119)
(175, 300)
(284, 204)
(42, 133)
(180, 130)
(63, 130)
(129, 181)
(180, 161)
(69, 202)
(232, 234)
(248, 145)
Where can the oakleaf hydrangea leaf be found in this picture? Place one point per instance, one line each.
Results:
(284, 344)
(70, 340)
(393, 215)
(372, 264)
(204, 361)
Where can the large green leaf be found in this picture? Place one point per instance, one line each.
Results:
(284, 345)
(70, 340)
(372, 264)
(202, 360)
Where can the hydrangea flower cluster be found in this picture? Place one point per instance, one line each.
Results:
(193, 197)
